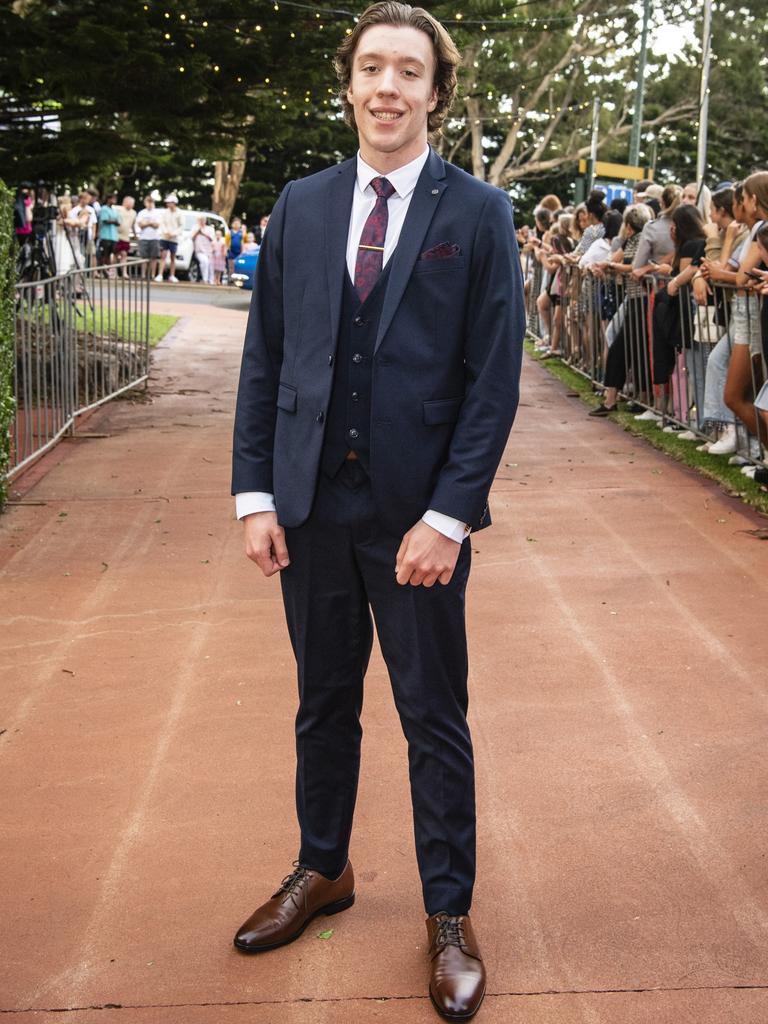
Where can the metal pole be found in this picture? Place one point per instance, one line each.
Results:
(706, 51)
(593, 147)
(637, 118)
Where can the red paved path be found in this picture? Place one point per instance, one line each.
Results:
(619, 711)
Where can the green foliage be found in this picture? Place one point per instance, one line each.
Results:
(151, 94)
(7, 278)
(738, 108)
(94, 94)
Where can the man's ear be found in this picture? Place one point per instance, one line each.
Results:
(432, 100)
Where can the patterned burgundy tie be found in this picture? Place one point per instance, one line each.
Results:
(370, 252)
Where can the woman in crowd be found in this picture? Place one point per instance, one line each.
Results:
(596, 210)
(22, 214)
(540, 250)
(561, 244)
(598, 298)
(580, 222)
(740, 386)
(718, 268)
(701, 198)
(673, 314)
(250, 244)
(654, 255)
(552, 203)
(235, 243)
(761, 401)
(66, 238)
(219, 260)
(630, 337)
(202, 240)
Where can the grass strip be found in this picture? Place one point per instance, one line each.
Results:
(159, 325)
(714, 467)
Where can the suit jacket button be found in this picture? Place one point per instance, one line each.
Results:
(320, 417)
(330, 360)
(359, 322)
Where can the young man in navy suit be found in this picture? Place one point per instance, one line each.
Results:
(379, 383)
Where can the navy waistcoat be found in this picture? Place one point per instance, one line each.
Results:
(348, 425)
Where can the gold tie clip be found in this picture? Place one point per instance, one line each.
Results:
(373, 248)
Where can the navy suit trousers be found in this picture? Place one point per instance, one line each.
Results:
(342, 569)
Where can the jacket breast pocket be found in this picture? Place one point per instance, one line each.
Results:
(438, 266)
(442, 410)
(287, 396)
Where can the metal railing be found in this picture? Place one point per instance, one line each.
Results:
(82, 338)
(686, 363)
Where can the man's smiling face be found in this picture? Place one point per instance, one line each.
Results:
(392, 93)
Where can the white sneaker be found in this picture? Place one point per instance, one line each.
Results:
(159, 278)
(727, 443)
(704, 447)
(671, 429)
(737, 460)
(749, 471)
(173, 280)
(688, 435)
(649, 415)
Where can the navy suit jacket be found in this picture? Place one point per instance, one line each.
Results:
(447, 355)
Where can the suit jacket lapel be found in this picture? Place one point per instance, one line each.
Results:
(426, 196)
(338, 209)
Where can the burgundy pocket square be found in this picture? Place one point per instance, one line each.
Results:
(443, 251)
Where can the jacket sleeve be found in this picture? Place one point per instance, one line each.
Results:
(256, 409)
(494, 331)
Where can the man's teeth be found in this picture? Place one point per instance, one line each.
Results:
(382, 116)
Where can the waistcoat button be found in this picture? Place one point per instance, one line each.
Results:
(353, 432)
(357, 358)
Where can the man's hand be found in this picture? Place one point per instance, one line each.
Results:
(426, 556)
(265, 542)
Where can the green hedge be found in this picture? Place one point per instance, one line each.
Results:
(7, 281)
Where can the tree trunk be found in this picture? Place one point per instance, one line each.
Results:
(227, 177)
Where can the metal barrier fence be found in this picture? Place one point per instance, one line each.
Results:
(82, 338)
(696, 368)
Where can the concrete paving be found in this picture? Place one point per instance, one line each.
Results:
(619, 705)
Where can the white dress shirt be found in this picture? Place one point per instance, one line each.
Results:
(403, 180)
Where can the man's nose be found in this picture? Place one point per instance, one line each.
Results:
(388, 82)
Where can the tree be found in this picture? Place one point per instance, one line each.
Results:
(152, 95)
(738, 111)
(529, 79)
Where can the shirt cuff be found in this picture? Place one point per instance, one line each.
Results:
(248, 502)
(454, 529)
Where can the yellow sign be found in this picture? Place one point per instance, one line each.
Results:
(618, 171)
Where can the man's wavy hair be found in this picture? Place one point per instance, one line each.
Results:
(447, 57)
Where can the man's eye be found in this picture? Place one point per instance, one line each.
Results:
(370, 67)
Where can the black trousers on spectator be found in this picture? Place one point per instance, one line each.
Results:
(630, 348)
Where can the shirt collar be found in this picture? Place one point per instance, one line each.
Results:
(403, 180)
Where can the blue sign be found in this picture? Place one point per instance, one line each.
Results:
(613, 190)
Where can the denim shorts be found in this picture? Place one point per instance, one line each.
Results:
(745, 323)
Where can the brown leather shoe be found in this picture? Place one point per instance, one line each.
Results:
(457, 977)
(302, 896)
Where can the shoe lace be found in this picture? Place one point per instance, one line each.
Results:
(450, 932)
(293, 882)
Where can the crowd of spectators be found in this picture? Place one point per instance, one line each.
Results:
(86, 232)
(670, 286)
